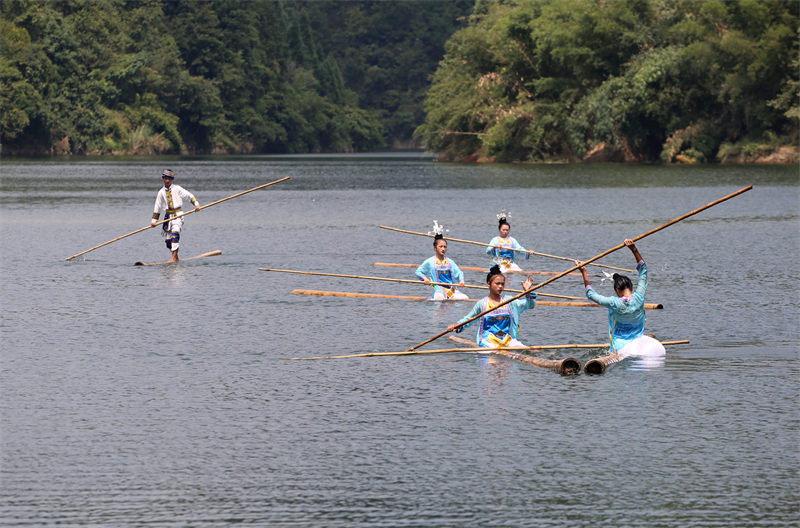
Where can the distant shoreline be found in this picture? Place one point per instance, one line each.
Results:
(784, 155)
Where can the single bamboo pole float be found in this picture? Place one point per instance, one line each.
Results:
(214, 253)
(565, 367)
(181, 215)
(598, 365)
(601, 255)
(322, 293)
(512, 249)
(472, 268)
(407, 281)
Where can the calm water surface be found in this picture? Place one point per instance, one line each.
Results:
(162, 396)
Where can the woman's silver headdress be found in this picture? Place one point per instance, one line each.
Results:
(503, 215)
(438, 229)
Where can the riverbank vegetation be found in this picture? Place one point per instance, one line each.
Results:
(676, 81)
(660, 80)
(222, 76)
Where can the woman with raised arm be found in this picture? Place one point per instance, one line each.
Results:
(500, 327)
(626, 311)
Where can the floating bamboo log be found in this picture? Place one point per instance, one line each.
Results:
(202, 255)
(322, 293)
(565, 367)
(598, 365)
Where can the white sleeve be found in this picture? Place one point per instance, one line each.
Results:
(159, 203)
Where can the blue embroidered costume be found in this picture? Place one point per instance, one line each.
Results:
(500, 327)
(505, 254)
(446, 271)
(626, 315)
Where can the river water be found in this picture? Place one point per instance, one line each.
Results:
(162, 395)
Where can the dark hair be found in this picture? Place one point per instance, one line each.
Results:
(621, 282)
(503, 221)
(494, 270)
(437, 237)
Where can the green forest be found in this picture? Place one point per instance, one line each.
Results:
(659, 80)
(128, 77)
(496, 80)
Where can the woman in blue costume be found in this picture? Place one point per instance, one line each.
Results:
(503, 246)
(626, 311)
(499, 327)
(438, 268)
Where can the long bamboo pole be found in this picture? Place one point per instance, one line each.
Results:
(182, 215)
(473, 349)
(407, 281)
(531, 252)
(484, 269)
(321, 293)
(601, 255)
(457, 349)
(570, 304)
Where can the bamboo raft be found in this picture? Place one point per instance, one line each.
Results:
(565, 367)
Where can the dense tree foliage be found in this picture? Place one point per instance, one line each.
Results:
(153, 76)
(685, 80)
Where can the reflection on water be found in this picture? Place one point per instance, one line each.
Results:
(642, 363)
(496, 370)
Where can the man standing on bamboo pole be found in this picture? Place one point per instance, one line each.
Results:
(170, 200)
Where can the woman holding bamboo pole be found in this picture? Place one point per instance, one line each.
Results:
(500, 327)
(438, 268)
(503, 248)
(626, 311)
